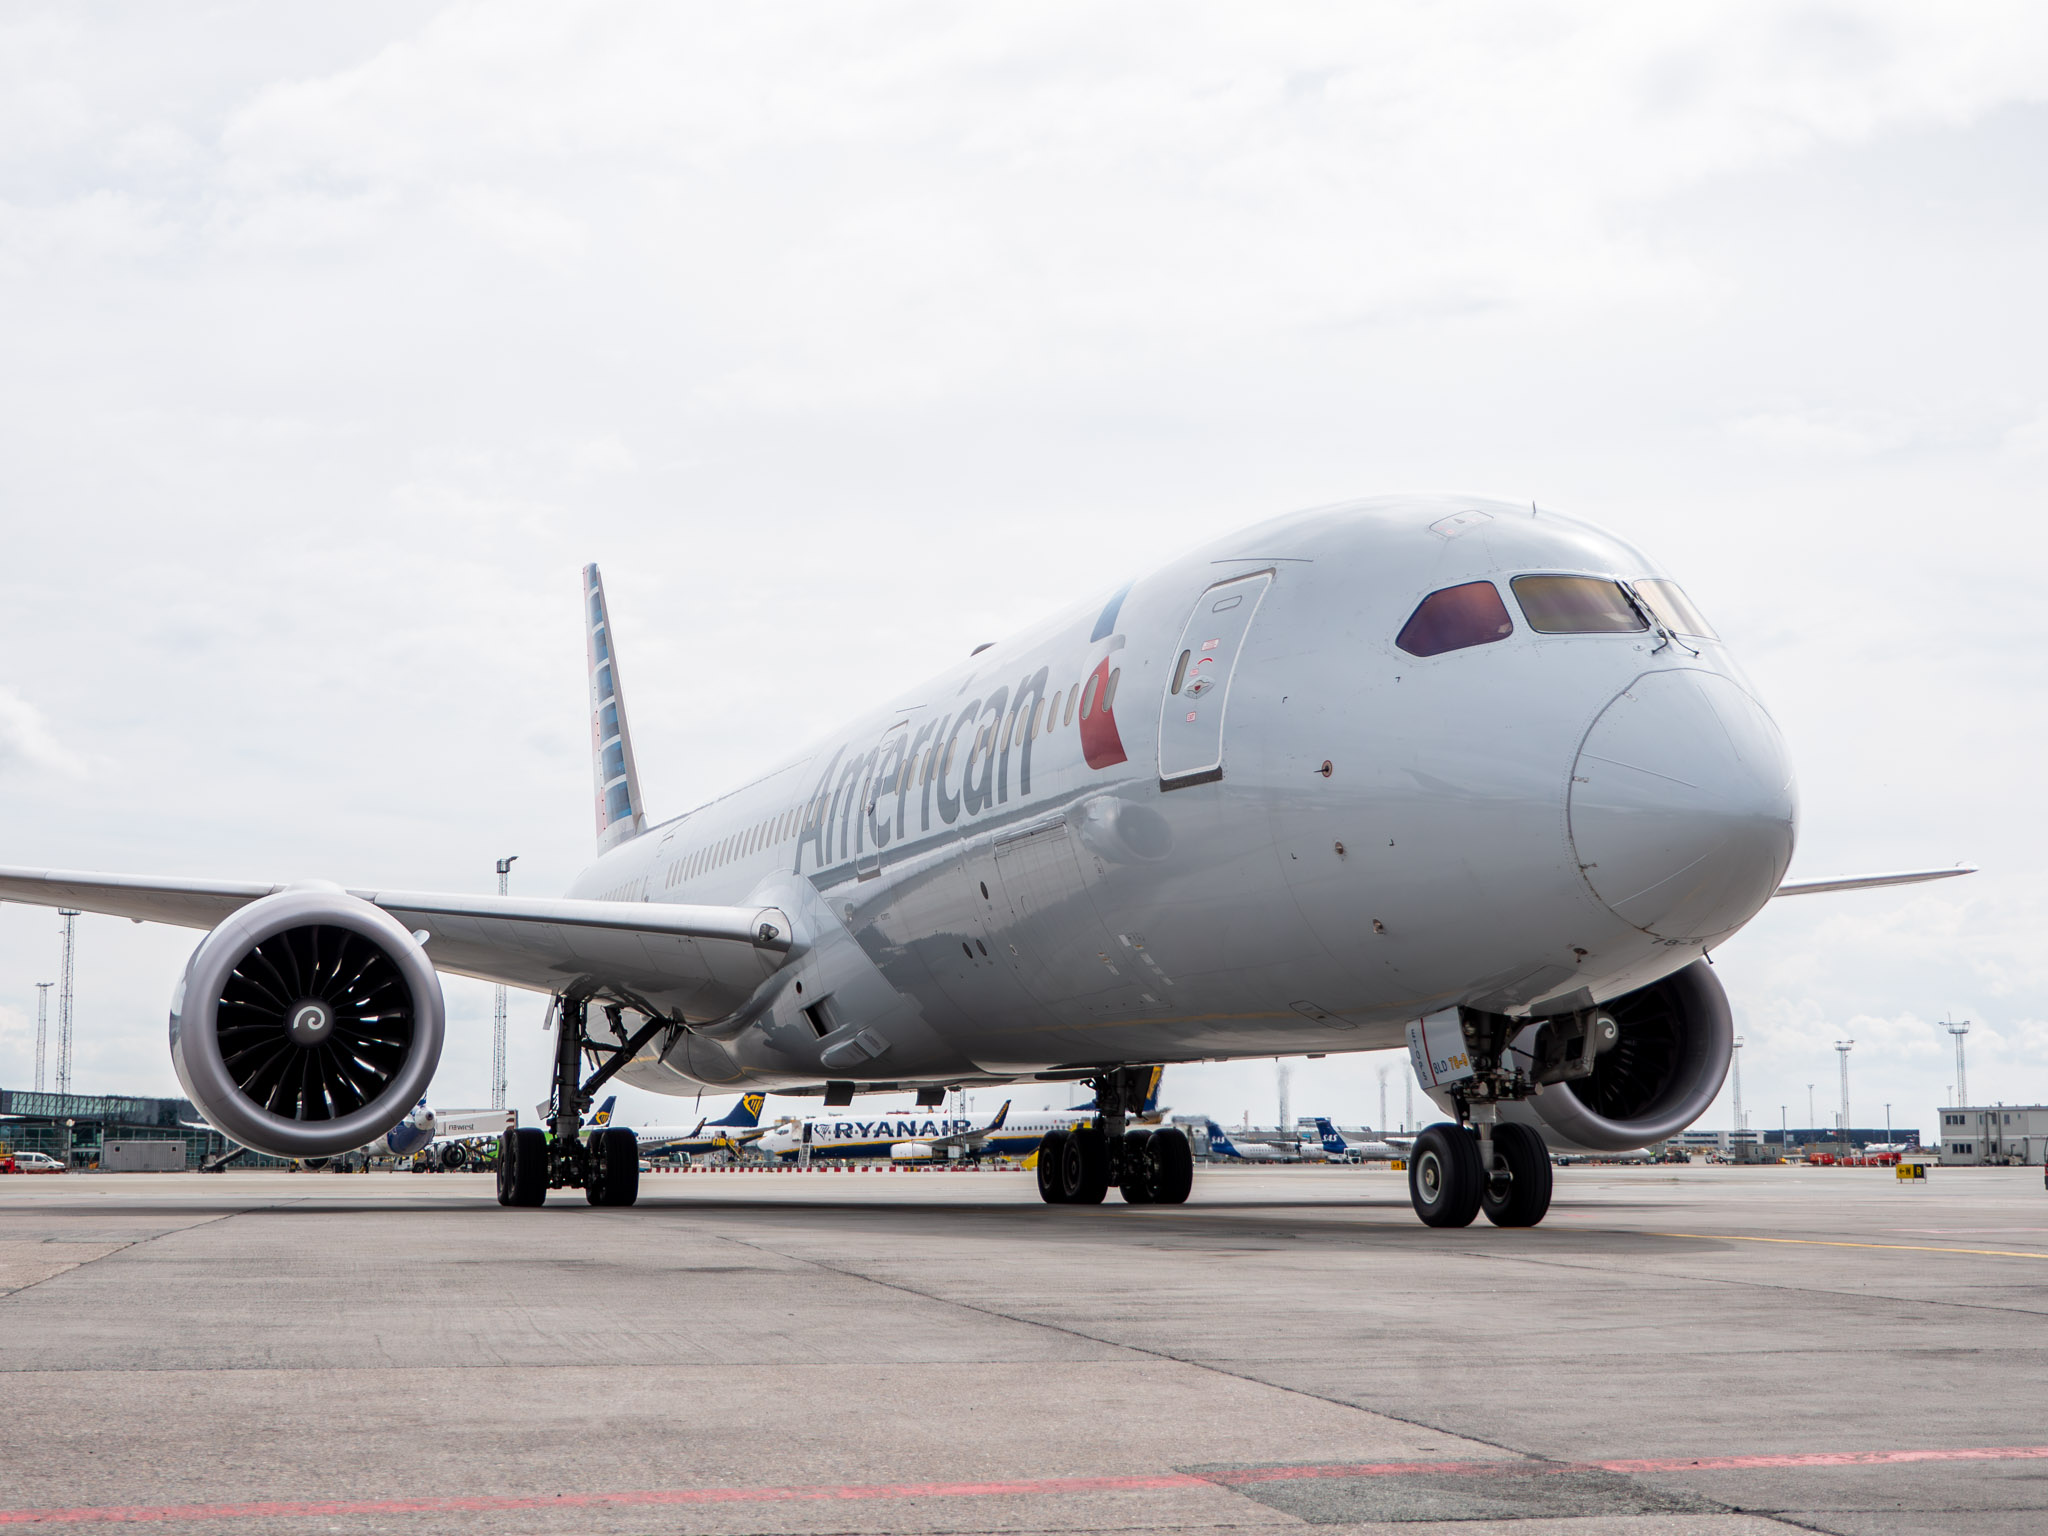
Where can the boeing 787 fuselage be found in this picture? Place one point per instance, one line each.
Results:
(1456, 773)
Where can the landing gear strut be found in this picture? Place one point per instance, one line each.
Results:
(607, 1167)
(1148, 1165)
(1484, 1163)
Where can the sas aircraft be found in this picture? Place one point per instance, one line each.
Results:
(1414, 763)
(1336, 1144)
(1222, 1146)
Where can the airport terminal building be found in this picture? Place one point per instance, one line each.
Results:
(79, 1129)
(1999, 1134)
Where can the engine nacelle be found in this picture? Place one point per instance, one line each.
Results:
(1671, 1046)
(307, 1024)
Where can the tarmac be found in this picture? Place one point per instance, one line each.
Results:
(1675, 1352)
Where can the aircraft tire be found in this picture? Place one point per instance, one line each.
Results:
(1050, 1150)
(1173, 1166)
(612, 1175)
(1527, 1195)
(1084, 1167)
(1138, 1173)
(523, 1167)
(1445, 1181)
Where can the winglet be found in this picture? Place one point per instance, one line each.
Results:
(621, 815)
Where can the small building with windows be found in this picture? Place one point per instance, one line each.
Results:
(1997, 1135)
(73, 1127)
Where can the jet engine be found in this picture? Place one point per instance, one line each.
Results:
(307, 1024)
(1641, 1068)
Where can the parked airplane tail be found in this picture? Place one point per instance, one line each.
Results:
(746, 1114)
(1221, 1143)
(620, 814)
(603, 1117)
(1151, 1104)
(1332, 1142)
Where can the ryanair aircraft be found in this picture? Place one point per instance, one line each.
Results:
(1465, 774)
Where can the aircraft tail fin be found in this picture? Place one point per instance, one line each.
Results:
(1219, 1141)
(621, 815)
(1332, 1142)
(603, 1117)
(1151, 1104)
(746, 1114)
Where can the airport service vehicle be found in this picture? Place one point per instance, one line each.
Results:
(1409, 762)
(1336, 1144)
(36, 1162)
(731, 1132)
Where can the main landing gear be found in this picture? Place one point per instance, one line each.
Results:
(1148, 1165)
(606, 1167)
(1484, 1163)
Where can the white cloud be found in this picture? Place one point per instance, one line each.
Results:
(27, 744)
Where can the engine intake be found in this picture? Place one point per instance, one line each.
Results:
(1671, 1046)
(307, 1024)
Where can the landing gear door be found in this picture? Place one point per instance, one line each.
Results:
(1198, 681)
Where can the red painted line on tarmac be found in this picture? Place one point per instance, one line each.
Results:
(132, 1514)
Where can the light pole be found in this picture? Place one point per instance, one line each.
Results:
(1735, 1067)
(1809, 1107)
(1962, 1083)
(1381, 1124)
(498, 1007)
(42, 1028)
(1843, 1048)
(70, 916)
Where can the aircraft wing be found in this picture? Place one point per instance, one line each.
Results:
(1864, 882)
(961, 1138)
(704, 960)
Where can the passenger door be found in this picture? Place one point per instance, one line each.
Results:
(872, 836)
(1198, 682)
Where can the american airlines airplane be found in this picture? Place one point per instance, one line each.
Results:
(1451, 771)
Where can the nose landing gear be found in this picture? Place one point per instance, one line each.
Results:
(1484, 1163)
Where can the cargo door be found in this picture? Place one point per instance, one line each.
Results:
(1198, 682)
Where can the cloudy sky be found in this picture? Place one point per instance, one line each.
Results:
(849, 335)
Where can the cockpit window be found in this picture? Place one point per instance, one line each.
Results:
(1674, 610)
(1454, 618)
(1576, 605)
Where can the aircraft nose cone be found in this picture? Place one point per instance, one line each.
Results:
(1682, 807)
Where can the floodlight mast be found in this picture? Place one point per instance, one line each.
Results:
(42, 1027)
(498, 1007)
(1962, 1083)
(1735, 1070)
(1843, 1048)
(70, 916)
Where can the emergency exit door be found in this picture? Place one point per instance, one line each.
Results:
(1198, 682)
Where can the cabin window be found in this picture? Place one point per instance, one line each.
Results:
(1577, 605)
(1452, 620)
(1037, 709)
(1068, 717)
(1052, 713)
(1088, 700)
(1674, 610)
(1108, 701)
